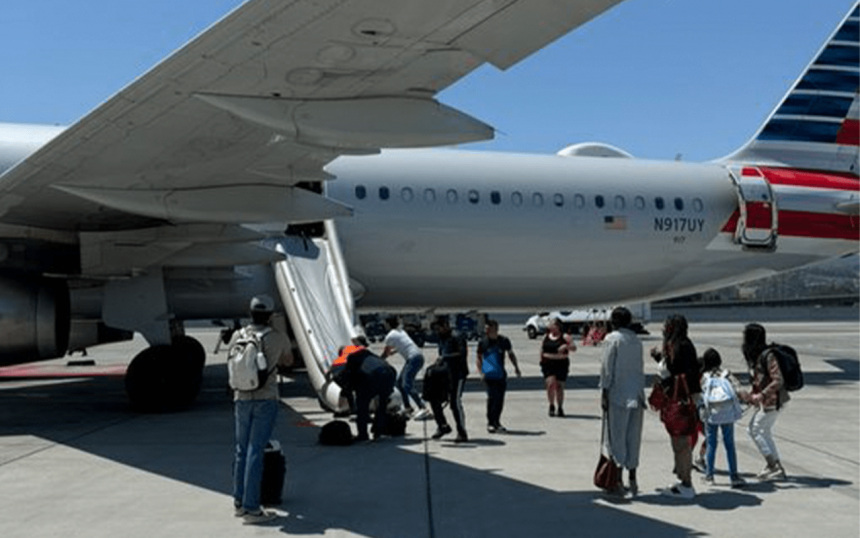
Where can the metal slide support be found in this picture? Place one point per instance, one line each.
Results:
(314, 287)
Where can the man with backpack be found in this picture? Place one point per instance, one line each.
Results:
(491, 367)
(768, 395)
(453, 351)
(255, 410)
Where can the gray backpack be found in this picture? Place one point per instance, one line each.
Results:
(247, 367)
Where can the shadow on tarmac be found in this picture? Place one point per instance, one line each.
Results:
(379, 490)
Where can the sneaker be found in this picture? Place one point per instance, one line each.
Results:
(708, 479)
(461, 438)
(772, 473)
(491, 429)
(422, 414)
(699, 464)
(441, 430)
(260, 516)
(500, 429)
(552, 410)
(738, 482)
(238, 511)
(679, 491)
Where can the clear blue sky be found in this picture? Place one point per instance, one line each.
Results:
(655, 77)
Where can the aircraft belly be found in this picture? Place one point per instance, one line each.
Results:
(507, 269)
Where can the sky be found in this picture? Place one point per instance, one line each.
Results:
(661, 79)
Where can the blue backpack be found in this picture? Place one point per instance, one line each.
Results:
(493, 359)
(491, 363)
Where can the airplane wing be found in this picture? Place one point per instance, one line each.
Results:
(222, 131)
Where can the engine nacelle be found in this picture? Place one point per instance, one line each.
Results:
(34, 319)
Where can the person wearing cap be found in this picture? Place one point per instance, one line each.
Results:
(255, 414)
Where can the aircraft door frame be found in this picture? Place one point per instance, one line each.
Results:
(758, 223)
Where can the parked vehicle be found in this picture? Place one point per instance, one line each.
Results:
(573, 321)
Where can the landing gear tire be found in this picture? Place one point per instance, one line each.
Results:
(166, 378)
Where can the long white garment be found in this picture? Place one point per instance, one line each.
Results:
(622, 371)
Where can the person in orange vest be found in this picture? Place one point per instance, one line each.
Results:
(358, 343)
(368, 377)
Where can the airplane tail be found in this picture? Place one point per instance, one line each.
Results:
(817, 124)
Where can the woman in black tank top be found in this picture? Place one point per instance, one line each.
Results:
(555, 364)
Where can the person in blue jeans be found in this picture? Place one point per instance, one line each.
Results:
(722, 420)
(398, 341)
(255, 415)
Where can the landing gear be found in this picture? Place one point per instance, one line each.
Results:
(166, 377)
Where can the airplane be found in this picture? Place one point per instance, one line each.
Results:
(291, 149)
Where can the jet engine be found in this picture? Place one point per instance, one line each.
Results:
(34, 318)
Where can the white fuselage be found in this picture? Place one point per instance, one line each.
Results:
(483, 230)
(451, 229)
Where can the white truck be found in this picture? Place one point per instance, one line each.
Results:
(572, 321)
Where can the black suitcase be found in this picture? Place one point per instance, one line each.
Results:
(274, 470)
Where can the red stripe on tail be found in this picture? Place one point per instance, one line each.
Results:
(849, 134)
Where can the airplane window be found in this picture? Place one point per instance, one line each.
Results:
(517, 198)
(658, 203)
(384, 193)
(537, 199)
(407, 194)
(639, 202)
(598, 200)
(452, 196)
(698, 205)
(495, 197)
(619, 202)
(679, 204)
(473, 196)
(579, 201)
(360, 192)
(558, 200)
(429, 196)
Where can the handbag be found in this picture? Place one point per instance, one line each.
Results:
(657, 398)
(607, 475)
(679, 414)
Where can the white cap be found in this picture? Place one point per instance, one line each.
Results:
(262, 303)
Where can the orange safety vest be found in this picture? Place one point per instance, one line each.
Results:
(347, 351)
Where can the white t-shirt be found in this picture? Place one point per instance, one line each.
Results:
(400, 341)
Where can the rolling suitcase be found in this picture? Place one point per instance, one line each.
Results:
(274, 470)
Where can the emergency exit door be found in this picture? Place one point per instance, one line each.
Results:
(758, 223)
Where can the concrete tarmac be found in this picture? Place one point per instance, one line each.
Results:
(76, 461)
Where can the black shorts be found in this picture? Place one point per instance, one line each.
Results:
(557, 368)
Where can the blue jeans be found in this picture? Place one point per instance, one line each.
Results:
(406, 380)
(728, 441)
(255, 421)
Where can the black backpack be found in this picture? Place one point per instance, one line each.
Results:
(336, 433)
(789, 366)
(437, 382)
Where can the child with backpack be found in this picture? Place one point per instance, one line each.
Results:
(720, 410)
